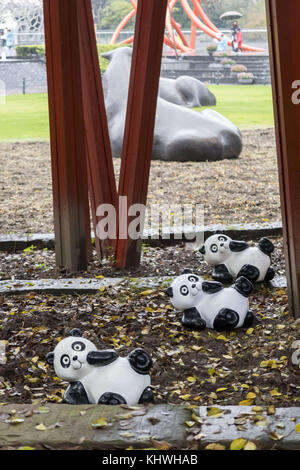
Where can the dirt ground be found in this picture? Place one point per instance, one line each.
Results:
(232, 191)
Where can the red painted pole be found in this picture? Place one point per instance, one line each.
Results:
(193, 33)
(69, 176)
(102, 185)
(284, 38)
(140, 120)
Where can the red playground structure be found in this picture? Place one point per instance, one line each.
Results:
(174, 37)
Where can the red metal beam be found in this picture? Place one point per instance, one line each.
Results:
(70, 191)
(140, 120)
(284, 38)
(102, 185)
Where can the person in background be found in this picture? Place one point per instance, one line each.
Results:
(239, 39)
(222, 43)
(234, 30)
(10, 42)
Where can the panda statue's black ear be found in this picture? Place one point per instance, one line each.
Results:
(50, 358)
(169, 292)
(187, 271)
(76, 332)
(202, 250)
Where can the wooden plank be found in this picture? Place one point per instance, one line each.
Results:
(284, 37)
(140, 119)
(69, 176)
(102, 185)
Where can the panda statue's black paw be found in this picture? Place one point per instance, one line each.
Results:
(226, 320)
(270, 275)
(249, 319)
(109, 398)
(250, 272)
(243, 286)
(221, 274)
(266, 246)
(140, 361)
(191, 319)
(147, 396)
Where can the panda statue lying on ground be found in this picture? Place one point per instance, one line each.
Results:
(232, 259)
(101, 377)
(207, 304)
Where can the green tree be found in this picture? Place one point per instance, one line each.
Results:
(113, 12)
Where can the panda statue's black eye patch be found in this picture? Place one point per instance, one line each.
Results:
(78, 346)
(214, 248)
(184, 290)
(65, 361)
(222, 238)
(193, 279)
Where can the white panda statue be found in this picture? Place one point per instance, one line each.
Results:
(232, 259)
(101, 377)
(207, 304)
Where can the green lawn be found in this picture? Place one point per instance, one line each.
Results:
(247, 106)
(25, 117)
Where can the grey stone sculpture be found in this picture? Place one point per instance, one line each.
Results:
(186, 91)
(181, 134)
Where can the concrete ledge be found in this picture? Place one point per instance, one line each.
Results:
(169, 236)
(65, 425)
(92, 286)
(58, 426)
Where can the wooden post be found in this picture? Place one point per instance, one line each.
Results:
(140, 120)
(284, 40)
(102, 185)
(69, 175)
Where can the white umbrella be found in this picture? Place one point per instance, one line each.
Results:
(231, 15)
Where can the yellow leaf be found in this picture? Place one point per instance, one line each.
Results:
(190, 423)
(42, 410)
(185, 397)
(147, 292)
(222, 389)
(14, 420)
(276, 437)
(250, 395)
(246, 402)
(275, 393)
(99, 277)
(271, 410)
(214, 412)
(249, 331)
(41, 427)
(192, 379)
(257, 409)
(222, 338)
(146, 330)
(26, 448)
(297, 428)
(100, 423)
(238, 444)
(215, 446)
(250, 446)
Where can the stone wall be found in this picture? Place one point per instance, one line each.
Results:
(13, 72)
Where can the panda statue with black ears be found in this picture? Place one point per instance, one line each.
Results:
(232, 259)
(101, 377)
(207, 304)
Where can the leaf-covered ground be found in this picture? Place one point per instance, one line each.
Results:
(232, 191)
(242, 367)
(156, 261)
